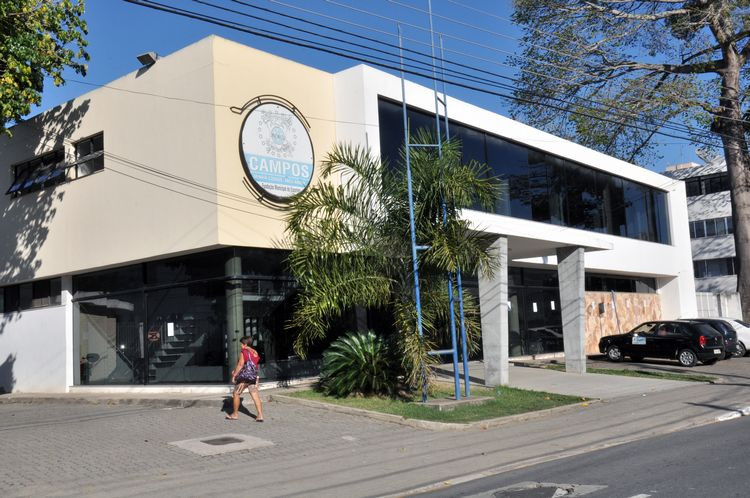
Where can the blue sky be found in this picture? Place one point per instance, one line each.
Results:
(475, 32)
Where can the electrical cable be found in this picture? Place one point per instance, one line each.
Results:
(362, 58)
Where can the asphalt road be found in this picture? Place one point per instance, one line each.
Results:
(708, 461)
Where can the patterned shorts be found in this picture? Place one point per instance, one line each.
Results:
(251, 387)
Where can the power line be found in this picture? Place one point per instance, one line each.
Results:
(364, 58)
(503, 35)
(488, 47)
(453, 72)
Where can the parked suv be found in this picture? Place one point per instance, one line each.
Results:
(686, 341)
(727, 332)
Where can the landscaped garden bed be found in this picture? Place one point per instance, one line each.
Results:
(505, 401)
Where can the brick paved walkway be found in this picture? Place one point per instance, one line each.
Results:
(99, 450)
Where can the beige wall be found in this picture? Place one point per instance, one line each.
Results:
(125, 212)
(172, 180)
(632, 309)
(241, 74)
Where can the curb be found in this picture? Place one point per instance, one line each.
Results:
(736, 413)
(151, 402)
(429, 424)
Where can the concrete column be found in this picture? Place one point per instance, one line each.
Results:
(493, 302)
(72, 340)
(235, 326)
(571, 274)
(360, 313)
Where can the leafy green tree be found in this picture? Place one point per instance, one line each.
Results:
(38, 38)
(610, 73)
(351, 245)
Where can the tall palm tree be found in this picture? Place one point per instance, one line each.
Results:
(351, 244)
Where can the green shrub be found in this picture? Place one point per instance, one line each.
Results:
(358, 363)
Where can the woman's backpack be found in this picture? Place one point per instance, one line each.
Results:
(249, 371)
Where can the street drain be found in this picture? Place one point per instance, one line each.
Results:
(220, 441)
(545, 492)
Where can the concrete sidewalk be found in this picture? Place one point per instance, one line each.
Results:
(586, 385)
(536, 379)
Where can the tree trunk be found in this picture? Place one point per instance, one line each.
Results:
(732, 133)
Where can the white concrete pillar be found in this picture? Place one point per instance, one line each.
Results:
(493, 302)
(571, 275)
(72, 343)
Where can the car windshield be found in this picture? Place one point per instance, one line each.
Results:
(744, 324)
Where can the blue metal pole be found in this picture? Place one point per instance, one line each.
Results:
(456, 380)
(464, 355)
(464, 347)
(412, 229)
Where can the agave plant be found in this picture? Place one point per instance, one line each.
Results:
(358, 363)
(351, 245)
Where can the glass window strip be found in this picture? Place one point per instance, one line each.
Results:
(713, 227)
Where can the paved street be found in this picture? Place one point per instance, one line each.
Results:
(696, 463)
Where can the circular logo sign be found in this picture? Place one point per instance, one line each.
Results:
(276, 151)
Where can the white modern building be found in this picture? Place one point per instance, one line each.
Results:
(711, 234)
(142, 224)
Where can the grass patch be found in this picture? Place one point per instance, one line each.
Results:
(507, 401)
(650, 374)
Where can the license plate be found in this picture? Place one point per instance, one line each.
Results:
(717, 351)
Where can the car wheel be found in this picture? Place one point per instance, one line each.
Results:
(725, 356)
(687, 358)
(710, 362)
(741, 350)
(614, 353)
(636, 359)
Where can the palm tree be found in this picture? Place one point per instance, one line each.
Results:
(351, 245)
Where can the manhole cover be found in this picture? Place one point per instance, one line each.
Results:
(219, 441)
(217, 444)
(546, 492)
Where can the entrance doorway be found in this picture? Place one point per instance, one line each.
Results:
(167, 336)
(534, 319)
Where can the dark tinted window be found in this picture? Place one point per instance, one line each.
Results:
(55, 291)
(40, 294)
(126, 278)
(693, 187)
(703, 328)
(39, 172)
(89, 155)
(187, 268)
(263, 262)
(606, 283)
(538, 186)
(26, 293)
(12, 298)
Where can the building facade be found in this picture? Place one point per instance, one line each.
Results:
(711, 233)
(144, 234)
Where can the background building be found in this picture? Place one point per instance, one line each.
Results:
(136, 248)
(711, 234)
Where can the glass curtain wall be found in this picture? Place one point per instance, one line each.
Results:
(539, 186)
(534, 319)
(179, 320)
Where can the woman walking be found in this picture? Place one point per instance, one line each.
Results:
(245, 375)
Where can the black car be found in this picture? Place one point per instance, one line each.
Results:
(687, 341)
(726, 331)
